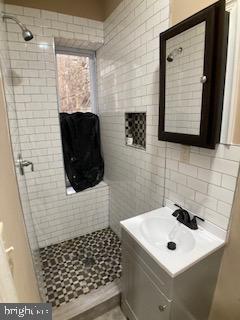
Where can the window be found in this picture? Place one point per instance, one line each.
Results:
(76, 75)
(76, 80)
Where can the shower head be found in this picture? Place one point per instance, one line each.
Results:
(26, 33)
(174, 53)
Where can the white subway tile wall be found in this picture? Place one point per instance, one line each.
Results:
(208, 181)
(56, 216)
(128, 73)
(128, 81)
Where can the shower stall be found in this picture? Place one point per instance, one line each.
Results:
(73, 249)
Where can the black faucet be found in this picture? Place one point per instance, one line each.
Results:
(184, 217)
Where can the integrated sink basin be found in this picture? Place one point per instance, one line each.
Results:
(155, 229)
(159, 231)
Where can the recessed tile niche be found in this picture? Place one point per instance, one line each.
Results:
(135, 129)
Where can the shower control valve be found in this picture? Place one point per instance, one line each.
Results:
(23, 163)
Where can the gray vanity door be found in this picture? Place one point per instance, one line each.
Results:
(143, 298)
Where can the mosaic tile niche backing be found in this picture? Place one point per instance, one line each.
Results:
(77, 266)
(135, 129)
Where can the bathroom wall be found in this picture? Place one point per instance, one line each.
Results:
(205, 182)
(128, 72)
(56, 216)
(128, 65)
(226, 302)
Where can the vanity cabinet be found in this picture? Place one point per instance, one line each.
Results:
(150, 293)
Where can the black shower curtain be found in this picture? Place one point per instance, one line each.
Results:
(83, 162)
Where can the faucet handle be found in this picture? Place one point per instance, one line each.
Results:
(193, 224)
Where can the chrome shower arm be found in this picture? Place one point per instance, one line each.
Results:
(8, 16)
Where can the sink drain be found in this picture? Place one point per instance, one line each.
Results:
(171, 245)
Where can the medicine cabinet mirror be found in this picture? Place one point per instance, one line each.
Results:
(192, 74)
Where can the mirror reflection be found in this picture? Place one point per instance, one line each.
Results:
(184, 80)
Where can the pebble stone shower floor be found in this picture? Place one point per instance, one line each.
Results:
(77, 266)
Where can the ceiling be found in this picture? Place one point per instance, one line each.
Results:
(91, 9)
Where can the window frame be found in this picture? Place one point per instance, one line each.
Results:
(92, 69)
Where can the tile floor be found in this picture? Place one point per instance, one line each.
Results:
(115, 314)
(77, 266)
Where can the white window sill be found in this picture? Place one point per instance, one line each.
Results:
(70, 190)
